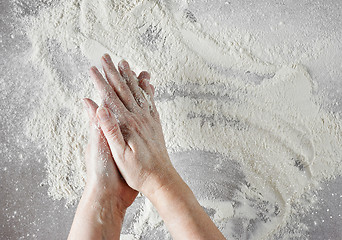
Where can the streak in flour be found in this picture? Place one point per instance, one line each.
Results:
(272, 125)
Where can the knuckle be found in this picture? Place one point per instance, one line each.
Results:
(136, 123)
(108, 94)
(122, 86)
(144, 119)
(131, 122)
(129, 101)
(110, 71)
(113, 131)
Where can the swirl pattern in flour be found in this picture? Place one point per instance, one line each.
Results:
(213, 95)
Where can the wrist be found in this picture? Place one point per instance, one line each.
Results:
(97, 217)
(156, 182)
(103, 202)
(171, 189)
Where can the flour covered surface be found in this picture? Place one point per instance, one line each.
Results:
(257, 126)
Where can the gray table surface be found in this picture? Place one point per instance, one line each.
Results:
(26, 212)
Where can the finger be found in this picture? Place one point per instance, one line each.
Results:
(111, 131)
(101, 157)
(91, 108)
(153, 90)
(146, 86)
(144, 75)
(107, 93)
(117, 83)
(132, 82)
(146, 91)
(98, 152)
(87, 153)
(134, 73)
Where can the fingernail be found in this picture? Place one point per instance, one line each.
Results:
(102, 114)
(107, 58)
(145, 82)
(123, 64)
(94, 69)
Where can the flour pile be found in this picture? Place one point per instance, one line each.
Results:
(213, 95)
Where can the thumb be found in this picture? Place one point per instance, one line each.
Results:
(111, 129)
(91, 107)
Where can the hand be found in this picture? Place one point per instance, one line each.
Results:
(131, 125)
(106, 197)
(130, 122)
(103, 177)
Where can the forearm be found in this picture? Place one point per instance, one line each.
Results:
(97, 217)
(181, 212)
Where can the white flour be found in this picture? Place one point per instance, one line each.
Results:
(214, 95)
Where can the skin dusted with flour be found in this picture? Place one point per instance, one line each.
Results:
(130, 144)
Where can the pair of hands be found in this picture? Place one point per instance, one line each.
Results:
(126, 152)
(126, 155)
